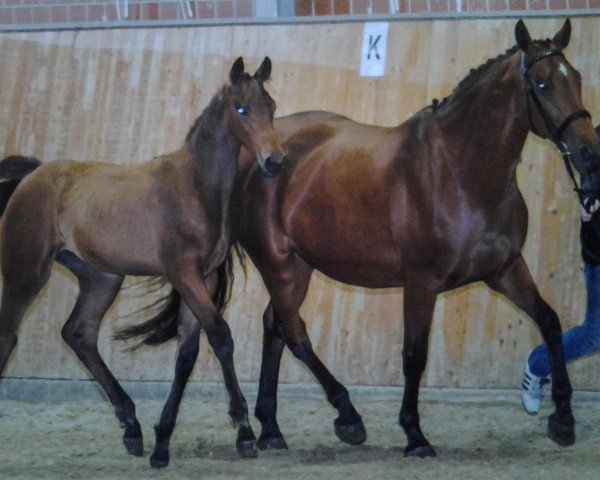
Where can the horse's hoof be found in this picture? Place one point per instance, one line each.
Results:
(134, 445)
(247, 449)
(561, 432)
(421, 451)
(354, 434)
(159, 461)
(275, 443)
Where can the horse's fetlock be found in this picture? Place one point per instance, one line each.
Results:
(125, 412)
(408, 419)
(163, 433)
(340, 398)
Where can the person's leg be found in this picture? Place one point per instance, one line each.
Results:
(578, 341)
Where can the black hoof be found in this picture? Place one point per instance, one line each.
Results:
(246, 448)
(352, 434)
(134, 445)
(422, 451)
(275, 443)
(159, 461)
(562, 432)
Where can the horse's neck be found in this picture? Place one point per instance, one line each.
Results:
(214, 151)
(489, 121)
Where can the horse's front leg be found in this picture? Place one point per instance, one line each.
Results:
(195, 294)
(266, 400)
(418, 313)
(516, 283)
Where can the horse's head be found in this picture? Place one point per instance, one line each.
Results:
(556, 111)
(250, 111)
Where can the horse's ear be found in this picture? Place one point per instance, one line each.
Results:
(522, 36)
(237, 71)
(561, 39)
(264, 71)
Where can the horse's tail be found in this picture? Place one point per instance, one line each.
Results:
(163, 326)
(13, 169)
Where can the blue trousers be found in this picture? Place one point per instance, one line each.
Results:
(578, 341)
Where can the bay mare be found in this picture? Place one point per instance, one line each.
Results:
(430, 205)
(167, 217)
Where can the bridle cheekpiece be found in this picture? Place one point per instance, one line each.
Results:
(555, 133)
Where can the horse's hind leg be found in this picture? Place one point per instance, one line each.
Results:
(16, 298)
(518, 286)
(97, 292)
(188, 333)
(287, 287)
(25, 271)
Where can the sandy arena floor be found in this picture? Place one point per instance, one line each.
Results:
(496, 440)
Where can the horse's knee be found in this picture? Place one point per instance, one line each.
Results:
(221, 341)
(408, 419)
(301, 349)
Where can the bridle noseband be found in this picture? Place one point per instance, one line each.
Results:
(555, 133)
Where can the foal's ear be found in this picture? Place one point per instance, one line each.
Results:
(264, 71)
(237, 71)
(561, 39)
(522, 36)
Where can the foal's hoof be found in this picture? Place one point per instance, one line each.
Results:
(274, 443)
(421, 451)
(354, 434)
(159, 460)
(562, 432)
(134, 445)
(246, 448)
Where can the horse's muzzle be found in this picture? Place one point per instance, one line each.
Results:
(272, 167)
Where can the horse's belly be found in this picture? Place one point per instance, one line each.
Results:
(114, 244)
(353, 264)
(126, 257)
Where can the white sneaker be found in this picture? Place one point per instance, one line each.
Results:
(533, 390)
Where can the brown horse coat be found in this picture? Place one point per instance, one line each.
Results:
(429, 205)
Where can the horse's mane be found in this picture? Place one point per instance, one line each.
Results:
(209, 110)
(476, 73)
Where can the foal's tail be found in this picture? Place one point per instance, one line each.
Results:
(13, 169)
(163, 326)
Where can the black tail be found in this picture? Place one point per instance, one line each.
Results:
(163, 326)
(13, 169)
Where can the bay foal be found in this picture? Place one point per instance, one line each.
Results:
(167, 217)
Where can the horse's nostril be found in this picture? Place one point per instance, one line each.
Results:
(272, 167)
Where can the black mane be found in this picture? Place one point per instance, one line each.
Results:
(475, 73)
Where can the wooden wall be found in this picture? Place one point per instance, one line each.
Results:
(123, 96)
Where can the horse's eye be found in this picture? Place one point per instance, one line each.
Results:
(241, 110)
(543, 85)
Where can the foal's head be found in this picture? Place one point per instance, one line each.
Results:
(249, 111)
(556, 111)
